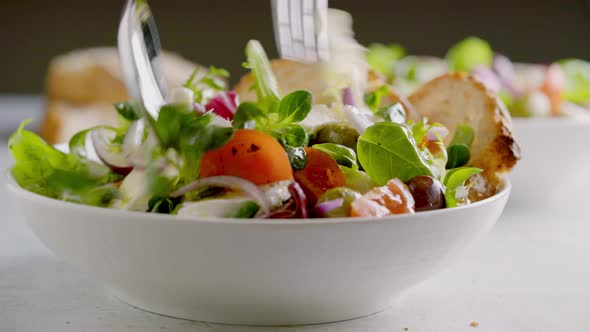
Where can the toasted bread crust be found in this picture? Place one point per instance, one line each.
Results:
(458, 98)
(82, 85)
(63, 119)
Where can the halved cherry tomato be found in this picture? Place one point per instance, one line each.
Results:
(250, 155)
(393, 198)
(319, 174)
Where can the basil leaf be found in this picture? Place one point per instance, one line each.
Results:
(464, 134)
(249, 115)
(294, 107)
(458, 156)
(129, 111)
(387, 150)
(42, 169)
(294, 136)
(246, 210)
(454, 179)
(394, 113)
(343, 155)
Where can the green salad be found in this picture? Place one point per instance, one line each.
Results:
(561, 88)
(209, 155)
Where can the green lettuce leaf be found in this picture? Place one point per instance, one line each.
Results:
(42, 169)
(387, 150)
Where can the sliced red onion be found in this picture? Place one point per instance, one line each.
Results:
(199, 108)
(348, 97)
(135, 148)
(504, 69)
(435, 132)
(106, 152)
(232, 182)
(224, 104)
(287, 211)
(300, 200)
(487, 77)
(327, 206)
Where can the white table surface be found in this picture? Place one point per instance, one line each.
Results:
(532, 273)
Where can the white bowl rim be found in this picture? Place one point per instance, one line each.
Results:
(158, 217)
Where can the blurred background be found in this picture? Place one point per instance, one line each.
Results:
(215, 32)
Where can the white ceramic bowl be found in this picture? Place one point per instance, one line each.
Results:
(257, 272)
(555, 167)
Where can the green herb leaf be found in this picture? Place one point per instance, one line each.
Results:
(373, 99)
(297, 157)
(190, 135)
(41, 168)
(265, 82)
(387, 150)
(129, 111)
(293, 135)
(343, 155)
(246, 210)
(463, 135)
(469, 53)
(294, 107)
(458, 152)
(214, 79)
(218, 72)
(454, 179)
(249, 116)
(458, 156)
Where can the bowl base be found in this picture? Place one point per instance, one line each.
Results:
(224, 318)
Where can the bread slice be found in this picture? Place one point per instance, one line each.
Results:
(458, 98)
(63, 119)
(292, 76)
(94, 74)
(82, 85)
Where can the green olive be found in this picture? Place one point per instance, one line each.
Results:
(337, 133)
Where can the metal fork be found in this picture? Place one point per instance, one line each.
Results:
(300, 28)
(139, 52)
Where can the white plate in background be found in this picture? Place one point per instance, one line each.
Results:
(554, 172)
